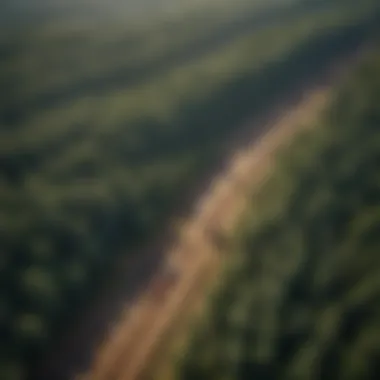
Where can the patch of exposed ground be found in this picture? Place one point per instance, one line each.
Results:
(185, 268)
(135, 338)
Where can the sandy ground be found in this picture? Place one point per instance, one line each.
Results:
(125, 328)
(137, 335)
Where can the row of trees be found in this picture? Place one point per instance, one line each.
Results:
(302, 301)
(54, 63)
(86, 180)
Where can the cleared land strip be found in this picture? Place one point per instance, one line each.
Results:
(138, 334)
(142, 329)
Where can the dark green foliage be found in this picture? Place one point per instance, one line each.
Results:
(92, 162)
(308, 288)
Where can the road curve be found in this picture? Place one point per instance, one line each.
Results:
(123, 327)
(135, 338)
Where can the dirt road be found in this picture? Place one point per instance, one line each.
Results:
(138, 334)
(126, 325)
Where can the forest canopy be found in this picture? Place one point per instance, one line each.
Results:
(92, 162)
(302, 302)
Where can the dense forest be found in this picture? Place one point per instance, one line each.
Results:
(92, 163)
(131, 11)
(301, 300)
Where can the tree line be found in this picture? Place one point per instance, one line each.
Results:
(302, 299)
(86, 181)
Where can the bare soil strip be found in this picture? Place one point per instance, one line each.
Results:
(122, 331)
(138, 335)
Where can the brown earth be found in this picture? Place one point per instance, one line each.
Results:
(128, 322)
(129, 347)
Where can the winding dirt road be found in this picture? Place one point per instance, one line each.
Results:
(137, 336)
(126, 325)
